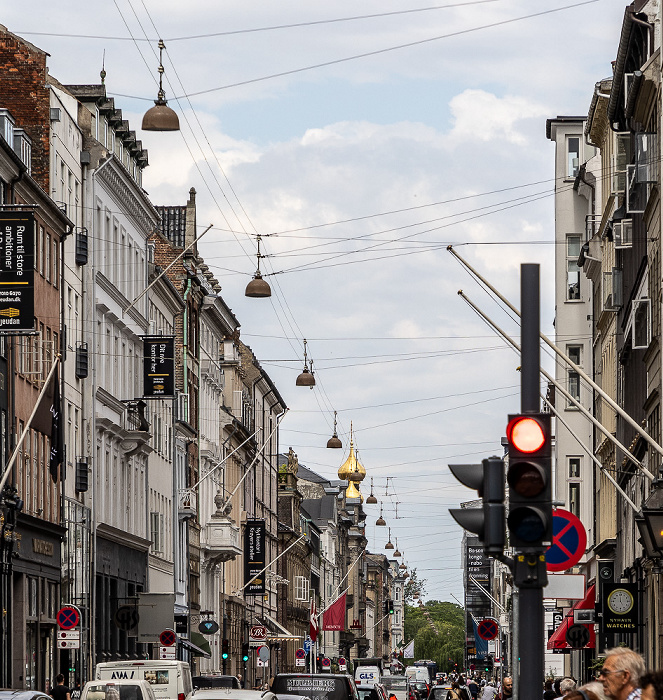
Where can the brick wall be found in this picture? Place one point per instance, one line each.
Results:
(24, 92)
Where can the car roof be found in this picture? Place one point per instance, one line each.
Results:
(117, 681)
(232, 693)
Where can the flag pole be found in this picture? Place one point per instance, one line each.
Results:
(12, 459)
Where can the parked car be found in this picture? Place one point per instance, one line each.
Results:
(316, 686)
(215, 681)
(438, 692)
(398, 686)
(134, 689)
(372, 691)
(23, 695)
(232, 694)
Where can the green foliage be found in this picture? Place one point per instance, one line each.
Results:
(448, 643)
(414, 585)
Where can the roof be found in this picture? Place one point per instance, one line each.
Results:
(320, 508)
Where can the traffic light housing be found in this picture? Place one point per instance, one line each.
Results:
(225, 648)
(245, 652)
(530, 482)
(390, 607)
(489, 664)
(486, 522)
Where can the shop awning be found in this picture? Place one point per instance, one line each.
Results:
(557, 640)
(279, 631)
(197, 645)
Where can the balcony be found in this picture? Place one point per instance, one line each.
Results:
(221, 539)
(187, 508)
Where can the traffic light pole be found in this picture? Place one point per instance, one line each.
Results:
(530, 666)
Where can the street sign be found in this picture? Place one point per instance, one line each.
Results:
(69, 634)
(488, 628)
(69, 643)
(167, 638)
(577, 636)
(167, 652)
(300, 657)
(126, 618)
(263, 653)
(257, 635)
(208, 627)
(263, 663)
(68, 617)
(307, 645)
(569, 541)
(342, 663)
(326, 663)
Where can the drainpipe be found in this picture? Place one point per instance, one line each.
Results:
(185, 350)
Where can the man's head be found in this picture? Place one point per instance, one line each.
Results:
(59, 679)
(507, 685)
(652, 685)
(621, 672)
(566, 686)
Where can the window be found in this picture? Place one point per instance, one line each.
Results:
(397, 593)
(574, 499)
(573, 378)
(572, 269)
(574, 467)
(622, 232)
(573, 156)
(156, 531)
(302, 585)
(398, 617)
(574, 353)
(641, 323)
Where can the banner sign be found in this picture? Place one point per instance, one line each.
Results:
(158, 366)
(17, 293)
(619, 608)
(254, 557)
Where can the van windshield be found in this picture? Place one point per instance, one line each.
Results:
(394, 682)
(112, 691)
(331, 688)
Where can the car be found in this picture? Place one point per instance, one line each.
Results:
(316, 686)
(372, 691)
(170, 679)
(398, 686)
(215, 681)
(8, 694)
(125, 689)
(232, 694)
(422, 688)
(438, 692)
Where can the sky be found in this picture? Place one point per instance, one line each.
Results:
(360, 140)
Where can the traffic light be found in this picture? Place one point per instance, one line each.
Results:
(245, 652)
(529, 477)
(488, 664)
(390, 607)
(486, 522)
(225, 649)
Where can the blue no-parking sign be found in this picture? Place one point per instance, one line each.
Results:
(569, 541)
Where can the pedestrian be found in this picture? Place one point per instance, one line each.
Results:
(473, 688)
(652, 685)
(489, 692)
(582, 694)
(241, 680)
(621, 673)
(60, 690)
(595, 687)
(454, 692)
(506, 691)
(548, 690)
(566, 686)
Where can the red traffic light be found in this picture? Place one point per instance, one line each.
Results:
(526, 434)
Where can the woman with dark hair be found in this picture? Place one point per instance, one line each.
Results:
(652, 686)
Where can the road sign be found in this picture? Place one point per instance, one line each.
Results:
(569, 541)
(326, 663)
(126, 618)
(69, 634)
(69, 643)
(167, 652)
(262, 663)
(167, 638)
(307, 645)
(577, 636)
(300, 657)
(488, 628)
(68, 617)
(208, 627)
(263, 653)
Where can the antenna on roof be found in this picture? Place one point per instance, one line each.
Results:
(102, 74)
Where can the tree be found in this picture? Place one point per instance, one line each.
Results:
(414, 585)
(439, 635)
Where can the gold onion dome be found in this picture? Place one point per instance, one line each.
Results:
(353, 492)
(352, 469)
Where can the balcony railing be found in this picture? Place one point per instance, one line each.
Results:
(187, 503)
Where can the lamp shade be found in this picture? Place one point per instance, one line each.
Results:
(160, 118)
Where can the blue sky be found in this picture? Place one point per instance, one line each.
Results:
(395, 349)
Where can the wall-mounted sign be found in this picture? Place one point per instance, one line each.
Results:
(619, 607)
(17, 293)
(158, 366)
(254, 557)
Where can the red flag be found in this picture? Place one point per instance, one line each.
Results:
(333, 618)
(314, 626)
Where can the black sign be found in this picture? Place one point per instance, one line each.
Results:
(254, 557)
(208, 627)
(17, 294)
(619, 607)
(126, 618)
(577, 636)
(158, 366)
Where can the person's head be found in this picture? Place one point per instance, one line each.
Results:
(584, 695)
(556, 683)
(595, 687)
(621, 672)
(652, 685)
(507, 684)
(455, 686)
(59, 679)
(548, 685)
(567, 685)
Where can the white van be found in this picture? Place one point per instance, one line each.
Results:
(417, 673)
(170, 680)
(117, 690)
(367, 675)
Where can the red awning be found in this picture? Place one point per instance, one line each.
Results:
(558, 637)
